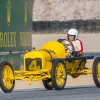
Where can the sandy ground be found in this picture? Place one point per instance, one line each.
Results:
(90, 41)
(81, 80)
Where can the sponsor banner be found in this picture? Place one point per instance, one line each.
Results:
(15, 25)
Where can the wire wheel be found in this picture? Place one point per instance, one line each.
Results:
(58, 75)
(96, 71)
(7, 81)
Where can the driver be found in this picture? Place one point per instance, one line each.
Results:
(73, 37)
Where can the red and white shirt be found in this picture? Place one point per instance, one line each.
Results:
(77, 45)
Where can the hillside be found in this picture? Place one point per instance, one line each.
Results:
(66, 10)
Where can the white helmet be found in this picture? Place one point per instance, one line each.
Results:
(73, 31)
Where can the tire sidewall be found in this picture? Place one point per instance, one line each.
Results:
(46, 85)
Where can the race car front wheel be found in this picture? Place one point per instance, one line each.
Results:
(96, 71)
(48, 84)
(7, 81)
(58, 75)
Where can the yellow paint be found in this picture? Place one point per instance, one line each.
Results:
(98, 71)
(33, 66)
(8, 12)
(8, 39)
(25, 38)
(60, 74)
(57, 47)
(7, 76)
(26, 13)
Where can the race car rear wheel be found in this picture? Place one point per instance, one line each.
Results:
(7, 81)
(58, 75)
(96, 71)
(48, 84)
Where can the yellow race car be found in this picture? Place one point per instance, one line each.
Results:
(51, 63)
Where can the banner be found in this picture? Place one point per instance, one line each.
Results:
(15, 25)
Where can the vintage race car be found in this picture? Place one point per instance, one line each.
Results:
(51, 63)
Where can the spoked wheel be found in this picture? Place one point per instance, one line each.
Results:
(48, 84)
(7, 81)
(58, 75)
(96, 71)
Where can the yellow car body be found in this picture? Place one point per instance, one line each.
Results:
(45, 54)
(51, 51)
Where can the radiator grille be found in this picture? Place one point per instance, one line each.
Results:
(33, 64)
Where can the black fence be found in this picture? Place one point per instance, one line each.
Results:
(90, 26)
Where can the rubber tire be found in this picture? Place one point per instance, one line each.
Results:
(53, 75)
(94, 68)
(46, 85)
(1, 80)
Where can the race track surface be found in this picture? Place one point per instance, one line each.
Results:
(85, 92)
(95, 54)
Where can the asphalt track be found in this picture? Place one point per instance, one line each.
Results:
(95, 54)
(68, 93)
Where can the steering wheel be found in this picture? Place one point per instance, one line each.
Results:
(69, 43)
